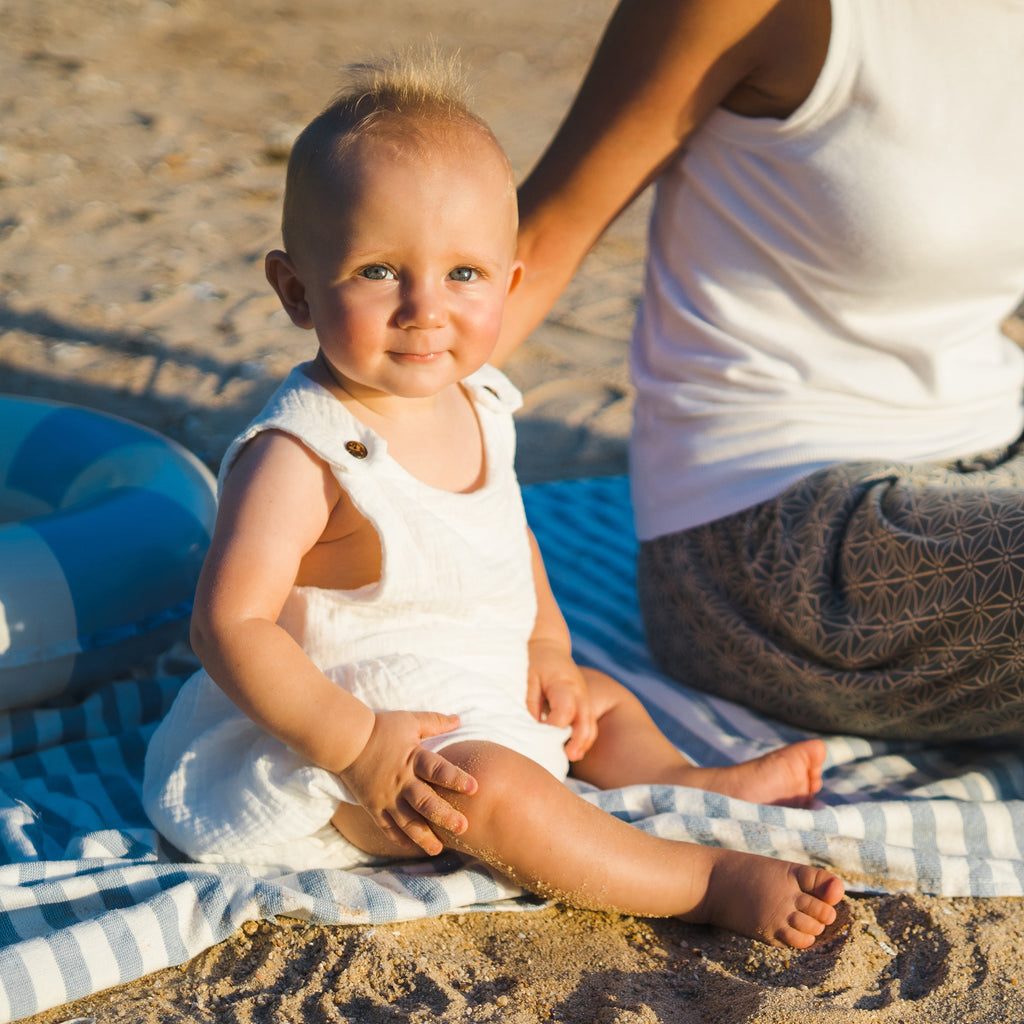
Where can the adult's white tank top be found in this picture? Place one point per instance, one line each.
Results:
(830, 287)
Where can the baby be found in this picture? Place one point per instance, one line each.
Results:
(386, 673)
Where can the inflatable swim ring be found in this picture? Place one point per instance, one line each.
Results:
(103, 528)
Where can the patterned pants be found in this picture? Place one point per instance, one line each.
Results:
(880, 599)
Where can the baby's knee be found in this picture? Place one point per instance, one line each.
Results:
(504, 778)
(491, 764)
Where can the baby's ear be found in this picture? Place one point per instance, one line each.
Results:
(515, 275)
(285, 280)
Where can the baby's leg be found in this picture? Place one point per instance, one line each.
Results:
(630, 749)
(537, 832)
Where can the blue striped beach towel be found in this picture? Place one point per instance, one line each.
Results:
(90, 897)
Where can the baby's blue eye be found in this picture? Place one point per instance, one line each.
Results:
(377, 272)
(463, 274)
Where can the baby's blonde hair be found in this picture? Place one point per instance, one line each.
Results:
(398, 97)
(421, 81)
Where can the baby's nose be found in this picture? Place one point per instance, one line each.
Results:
(423, 305)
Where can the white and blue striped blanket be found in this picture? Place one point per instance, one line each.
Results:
(91, 898)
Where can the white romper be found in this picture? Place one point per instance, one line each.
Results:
(445, 629)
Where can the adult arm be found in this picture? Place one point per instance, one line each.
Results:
(661, 68)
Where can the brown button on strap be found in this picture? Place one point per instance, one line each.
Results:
(356, 449)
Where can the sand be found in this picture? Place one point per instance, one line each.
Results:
(141, 165)
(887, 960)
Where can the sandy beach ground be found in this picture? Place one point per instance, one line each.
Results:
(142, 155)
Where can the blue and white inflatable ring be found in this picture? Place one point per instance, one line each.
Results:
(103, 528)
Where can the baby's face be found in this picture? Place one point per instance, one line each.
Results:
(406, 286)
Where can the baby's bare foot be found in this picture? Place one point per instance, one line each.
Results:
(775, 901)
(789, 776)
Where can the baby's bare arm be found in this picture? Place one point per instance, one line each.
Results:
(556, 689)
(279, 503)
(276, 503)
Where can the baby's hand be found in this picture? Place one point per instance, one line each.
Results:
(557, 693)
(389, 779)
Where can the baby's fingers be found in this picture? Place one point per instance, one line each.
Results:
(562, 700)
(389, 825)
(433, 723)
(535, 697)
(439, 771)
(436, 811)
(584, 731)
(410, 831)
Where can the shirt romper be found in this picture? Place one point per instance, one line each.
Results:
(445, 629)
